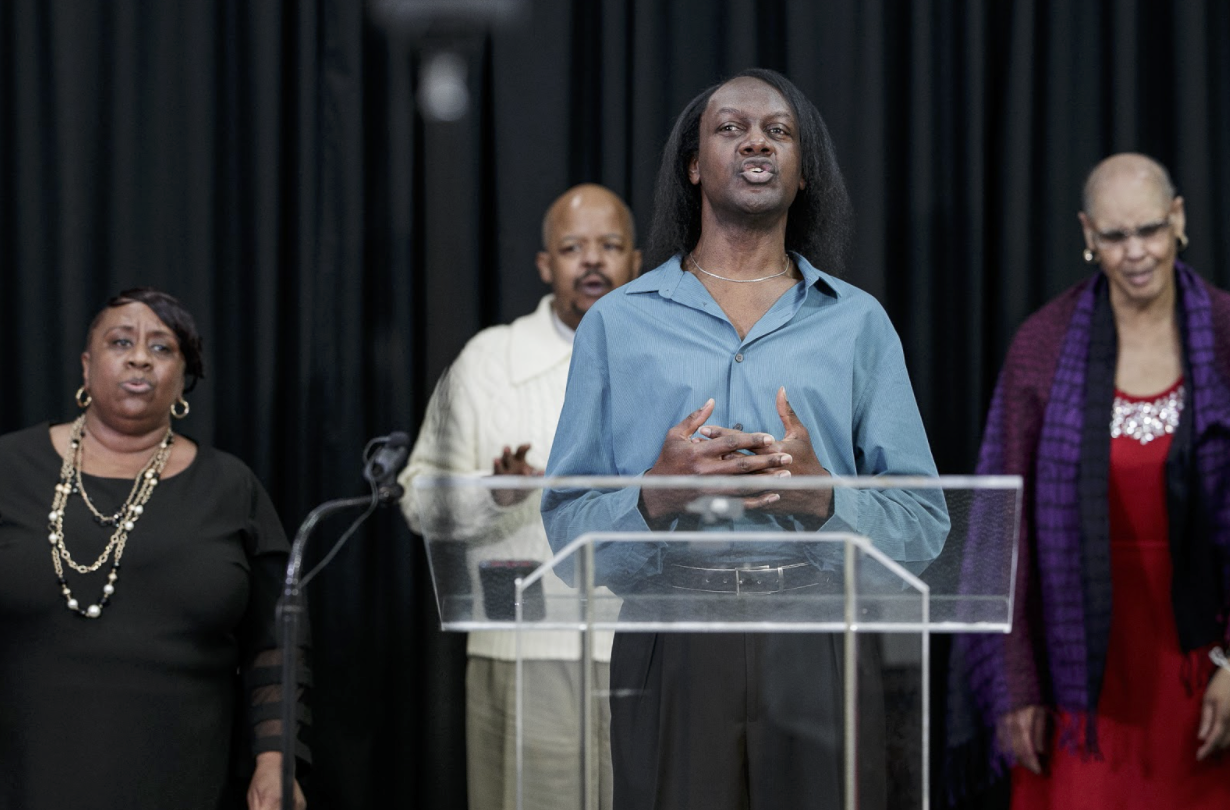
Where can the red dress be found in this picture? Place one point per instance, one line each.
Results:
(1147, 720)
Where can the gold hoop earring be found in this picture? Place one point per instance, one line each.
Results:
(83, 403)
(1183, 241)
(184, 408)
(1089, 256)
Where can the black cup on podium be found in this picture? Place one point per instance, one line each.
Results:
(499, 583)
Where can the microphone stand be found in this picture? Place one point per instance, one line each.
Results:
(381, 470)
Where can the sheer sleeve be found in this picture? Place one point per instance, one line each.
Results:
(260, 651)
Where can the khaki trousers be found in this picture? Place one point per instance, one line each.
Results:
(552, 755)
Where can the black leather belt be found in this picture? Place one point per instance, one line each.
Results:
(754, 579)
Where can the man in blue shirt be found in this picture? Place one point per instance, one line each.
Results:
(738, 355)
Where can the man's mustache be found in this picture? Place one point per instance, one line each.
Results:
(592, 274)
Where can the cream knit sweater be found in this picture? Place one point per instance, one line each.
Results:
(506, 388)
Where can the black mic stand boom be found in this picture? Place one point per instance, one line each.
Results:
(381, 470)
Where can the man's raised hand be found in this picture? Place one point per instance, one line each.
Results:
(510, 463)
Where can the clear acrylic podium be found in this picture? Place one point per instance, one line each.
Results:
(900, 559)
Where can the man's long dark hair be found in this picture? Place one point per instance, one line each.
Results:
(820, 221)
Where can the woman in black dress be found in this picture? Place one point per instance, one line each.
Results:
(139, 573)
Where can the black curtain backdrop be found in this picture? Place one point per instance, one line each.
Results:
(266, 162)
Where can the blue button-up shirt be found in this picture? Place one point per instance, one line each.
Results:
(654, 350)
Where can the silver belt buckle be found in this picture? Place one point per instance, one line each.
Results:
(757, 576)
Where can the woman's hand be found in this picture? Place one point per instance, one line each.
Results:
(1214, 731)
(1023, 734)
(265, 790)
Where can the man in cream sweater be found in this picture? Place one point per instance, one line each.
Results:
(495, 412)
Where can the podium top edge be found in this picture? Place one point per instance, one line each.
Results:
(817, 482)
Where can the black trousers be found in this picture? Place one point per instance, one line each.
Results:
(722, 721)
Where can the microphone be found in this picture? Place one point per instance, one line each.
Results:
(390, 456)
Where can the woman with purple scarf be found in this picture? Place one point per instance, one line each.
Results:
(1113, 689)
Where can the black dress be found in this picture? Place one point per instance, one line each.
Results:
(140, 707)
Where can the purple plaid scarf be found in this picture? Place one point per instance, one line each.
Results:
(1038, 427)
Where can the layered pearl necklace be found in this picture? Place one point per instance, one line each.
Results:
(124, 519)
